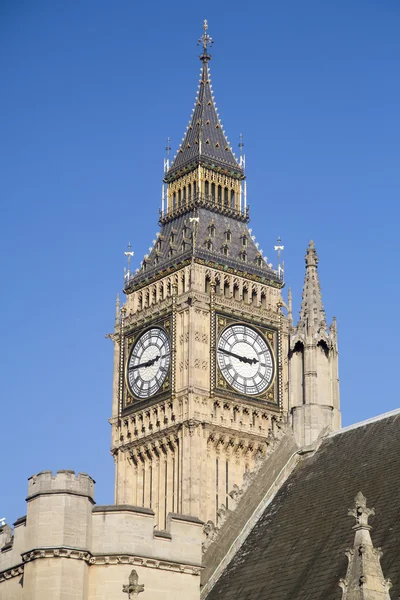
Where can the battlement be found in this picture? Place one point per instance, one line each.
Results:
(66, 543)
(132, 530)
(63, 482)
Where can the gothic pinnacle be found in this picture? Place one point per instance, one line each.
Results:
(364, 577)
(311, 256)
(312, 314)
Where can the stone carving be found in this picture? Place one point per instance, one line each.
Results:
(236, 493)
(210, 532)
(133, 588)
(222, 513)
(364, 578)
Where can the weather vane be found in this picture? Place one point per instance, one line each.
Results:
(242, 160)
(205, 41)
(168, 150)
(278, 248)
(128, 253)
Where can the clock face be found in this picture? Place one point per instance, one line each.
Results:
(245, 360)
(149, 362)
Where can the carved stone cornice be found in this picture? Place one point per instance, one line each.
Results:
(249, 311)
(56, 552)
(163, 436)
(100, 559)
(12, 572)
(150, 313)
(225, 432)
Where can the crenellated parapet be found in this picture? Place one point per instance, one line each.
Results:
(63, 482)
(67, 543)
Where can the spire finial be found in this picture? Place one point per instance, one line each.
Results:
(242, 161)
(278, 248)
(311, 255)
(364, 577)
(360, 512)
(205, 41)
(168, 151)
(128, 253)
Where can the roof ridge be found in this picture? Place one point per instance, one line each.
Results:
(386, 415)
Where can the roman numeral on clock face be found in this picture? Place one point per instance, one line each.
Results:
(245, 359)
(149, 362)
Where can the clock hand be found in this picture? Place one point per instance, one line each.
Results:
(249, 361)
(148, 363)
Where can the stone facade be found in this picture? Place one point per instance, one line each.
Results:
(67, 548)
(189, 435)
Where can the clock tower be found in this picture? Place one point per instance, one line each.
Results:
(202, 346)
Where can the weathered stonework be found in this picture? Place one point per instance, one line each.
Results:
(67, 548)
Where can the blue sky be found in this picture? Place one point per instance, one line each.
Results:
(90, 92)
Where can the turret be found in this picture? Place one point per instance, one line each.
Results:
(313, 363)
(58, 528)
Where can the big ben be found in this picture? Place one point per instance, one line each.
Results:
(203, 341)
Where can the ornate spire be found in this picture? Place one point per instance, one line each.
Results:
(364, 579)
(312, 314)
(205, 141)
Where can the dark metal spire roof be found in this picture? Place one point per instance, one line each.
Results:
(205, 141)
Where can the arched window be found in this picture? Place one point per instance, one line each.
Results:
(213, 191)
(206, 189)
(226, 197)
(263, 300)
(189, 192)
(179, 197)
(184, 195)
(174, 201)
(219, 194)
(233, 198)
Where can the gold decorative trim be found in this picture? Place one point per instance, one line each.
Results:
(271, 334)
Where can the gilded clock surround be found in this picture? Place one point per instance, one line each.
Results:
(271, 393)
(130, 339)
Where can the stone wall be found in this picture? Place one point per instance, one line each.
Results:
(67, 548)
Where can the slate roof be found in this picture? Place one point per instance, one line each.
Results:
(174, 245)
(297, 549)
(205, 141)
